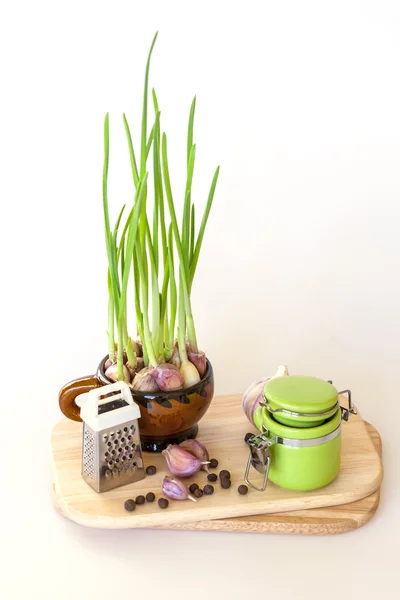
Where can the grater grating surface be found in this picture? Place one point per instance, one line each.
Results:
(111, 450)
(89, 454)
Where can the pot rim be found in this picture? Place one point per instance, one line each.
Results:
(193, 388)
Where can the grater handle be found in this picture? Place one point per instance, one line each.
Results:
(70, 391)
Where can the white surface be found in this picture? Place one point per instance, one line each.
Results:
(299, 102)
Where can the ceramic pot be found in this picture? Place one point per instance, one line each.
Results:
(166, 417)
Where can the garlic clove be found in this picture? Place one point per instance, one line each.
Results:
(198, 450)
(136, 348)
(189, 373)
(139, 346)
(252, 398)
(254, 393)
(112, 373)
(108, 363)
(144, 381)
(281, 371)
(199, 361)
(168, 377)
(139, 363)
(175, 489)
(180, 462)
(138, 367)
(175, 358)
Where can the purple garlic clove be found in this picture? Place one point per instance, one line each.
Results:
(145, 382)
(109, 362)
(172, 488)
(198, 450)
(180, 462)
(199, 361)
(168, 377)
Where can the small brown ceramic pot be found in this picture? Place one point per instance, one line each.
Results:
(166, 417)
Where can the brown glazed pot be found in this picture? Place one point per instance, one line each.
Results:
(166, 417)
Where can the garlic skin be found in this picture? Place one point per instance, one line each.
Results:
(198, 450)
(254, 393)
(189, 373)
(112, 373)
(175, 489)
(199, 361)
(139, 363)
(138, 367)
(145, 382)
(136, 348)
(168, 377)
(175, 358)
(109, 362)
(180, 462)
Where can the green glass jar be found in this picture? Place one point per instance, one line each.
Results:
(300, 441)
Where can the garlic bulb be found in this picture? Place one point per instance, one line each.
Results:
(189, 373)
(180, 462)
(254, 393)
(199, 361)
(168, 377)
(175, 489)
(109, 362)
(145, 382)
(136, 368)
(175, 358)
(198, 450)
(112, 373)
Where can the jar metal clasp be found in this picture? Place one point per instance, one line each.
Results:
(259, 457)
(350, 410)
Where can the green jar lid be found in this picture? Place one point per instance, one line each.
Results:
(309, 396)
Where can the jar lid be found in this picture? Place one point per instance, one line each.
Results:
(300, 400)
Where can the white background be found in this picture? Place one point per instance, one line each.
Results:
(300, 104)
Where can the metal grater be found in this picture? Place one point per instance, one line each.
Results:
(111, 451)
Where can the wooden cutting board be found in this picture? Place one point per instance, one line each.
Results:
(222, 430)
(314, 521)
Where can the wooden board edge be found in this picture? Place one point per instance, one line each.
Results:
(288, 524)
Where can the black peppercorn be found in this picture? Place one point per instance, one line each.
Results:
(130, 505)
(198, 493)
(212, 477)
(208, 490)
(151, 470)
(193, 488)
(243, 489)
(150, 497)
(163, 503)
(213, 463)
(225, 483)
(140, 500)
(224, 474)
